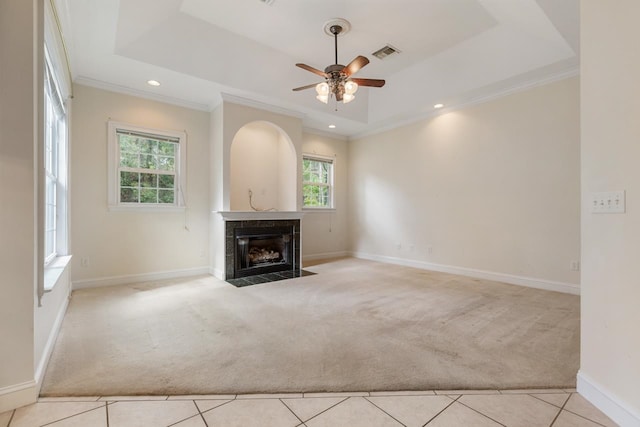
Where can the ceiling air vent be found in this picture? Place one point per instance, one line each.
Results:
(267, 2)
(385, 51)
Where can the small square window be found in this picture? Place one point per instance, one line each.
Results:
(148, 167)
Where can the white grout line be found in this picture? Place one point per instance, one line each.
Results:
(270, 396)
(402, 393)
(534, 391)
(467, 392)
(203, 397)
(339, 394)
(132, 398)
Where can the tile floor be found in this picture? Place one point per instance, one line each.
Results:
(268, 277)
(448, 408)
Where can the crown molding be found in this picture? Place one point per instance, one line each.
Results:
(324, 133)
(565, 74)
(373, 129)
(99, 84)
(234, 99)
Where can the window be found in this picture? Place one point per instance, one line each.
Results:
(317, 182)
(54, 95)
(146, 167)
(55, 165)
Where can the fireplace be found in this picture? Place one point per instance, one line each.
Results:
(263, 250)
(258, 247)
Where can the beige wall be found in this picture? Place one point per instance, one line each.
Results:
(265, 162)
(324, 233)
(47, 320)
(26, 327)
(610, 244)
(494, 187)
(234, 118)
(18, 114)
(216, 189)
(119, 243)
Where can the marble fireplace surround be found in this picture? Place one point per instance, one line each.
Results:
(259, 219)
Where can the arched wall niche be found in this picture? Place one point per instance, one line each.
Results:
(263, 160)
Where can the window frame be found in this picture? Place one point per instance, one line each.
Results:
(55, 171)
(114, 203)
(331, 185)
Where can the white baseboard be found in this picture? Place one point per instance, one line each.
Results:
(326, 255)
(48, 348)
(135, 278)
(217, 273)
(18, 395)
(567, 288)
(607, 402)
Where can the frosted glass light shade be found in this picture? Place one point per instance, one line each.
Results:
(322, 89)
(350, 87)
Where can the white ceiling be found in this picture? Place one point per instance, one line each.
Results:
(452, 51)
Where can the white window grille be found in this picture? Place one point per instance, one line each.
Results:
(317, 182)
(147, 167)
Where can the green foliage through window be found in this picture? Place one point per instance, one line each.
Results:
(317, 183)
(147, 169)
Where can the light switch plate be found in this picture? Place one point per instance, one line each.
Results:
(608, 202)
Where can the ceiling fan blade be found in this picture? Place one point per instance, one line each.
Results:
(355, 65)
(313, 70)
(369, 82)
(305, 87)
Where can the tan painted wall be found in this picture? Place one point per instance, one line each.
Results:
(610, 161)
(324, 233)
(216, 224)
(494, 187)
(18, 256)
(27, 327)
(263, 161)
(235, 117)
(126, 243)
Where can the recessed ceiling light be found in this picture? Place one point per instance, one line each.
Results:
(438, 106)
(153, 82)
(332, 126)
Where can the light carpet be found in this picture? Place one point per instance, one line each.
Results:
(356, 325)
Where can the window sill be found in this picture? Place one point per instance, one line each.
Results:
(319, 209)
(54, 270)
(150, 208)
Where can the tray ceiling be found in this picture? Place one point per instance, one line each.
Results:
(452, 51)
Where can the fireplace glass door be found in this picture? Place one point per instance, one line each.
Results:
(263, 250)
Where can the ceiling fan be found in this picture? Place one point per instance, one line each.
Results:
(338, 78)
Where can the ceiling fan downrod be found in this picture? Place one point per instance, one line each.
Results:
(335, 30)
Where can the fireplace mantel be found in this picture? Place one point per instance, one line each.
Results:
(259, 215)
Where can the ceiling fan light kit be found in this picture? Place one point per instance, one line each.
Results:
(338, 81)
